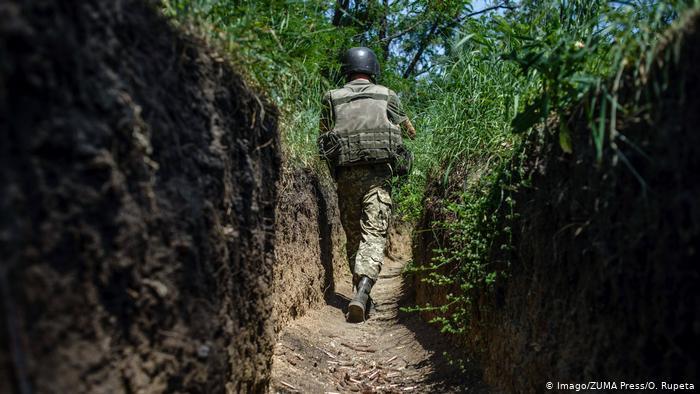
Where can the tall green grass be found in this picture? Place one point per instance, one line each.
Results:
(288, 49)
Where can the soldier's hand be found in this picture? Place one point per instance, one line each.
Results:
(408, 128)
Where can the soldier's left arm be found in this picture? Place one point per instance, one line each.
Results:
(326, 119)
(325, 124)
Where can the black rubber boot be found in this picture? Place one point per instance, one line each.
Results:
(356, 309)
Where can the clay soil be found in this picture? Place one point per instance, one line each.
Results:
(136, 208)
(392, 351)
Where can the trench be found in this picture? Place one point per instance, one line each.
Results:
(393, 351)
(154, 241)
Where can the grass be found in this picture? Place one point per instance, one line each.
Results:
(287, 50)
(463, 117)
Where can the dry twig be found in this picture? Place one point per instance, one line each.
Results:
(357, 348)
(329, 354)
(288, 385)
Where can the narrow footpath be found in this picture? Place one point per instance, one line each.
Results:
(392, 352)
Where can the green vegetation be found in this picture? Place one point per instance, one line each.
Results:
(475, 80)
(509, 73)
(287, 49)
(291, 48)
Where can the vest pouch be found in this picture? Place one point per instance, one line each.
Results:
(366, 147)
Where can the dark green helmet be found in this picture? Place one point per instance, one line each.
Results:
(360, 60)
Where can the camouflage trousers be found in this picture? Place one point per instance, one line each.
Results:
(364, 199)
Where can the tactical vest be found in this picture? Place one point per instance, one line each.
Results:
(364, 132)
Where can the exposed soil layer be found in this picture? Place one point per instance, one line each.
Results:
(603, 279)
(392, 352)
(137, 209)
(309, 245)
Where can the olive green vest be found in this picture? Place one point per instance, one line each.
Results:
(365, 134)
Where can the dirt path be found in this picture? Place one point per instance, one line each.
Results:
(391, 352)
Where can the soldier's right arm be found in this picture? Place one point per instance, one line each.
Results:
(398, 116)
(408, 129)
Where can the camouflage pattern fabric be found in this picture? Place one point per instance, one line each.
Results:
(364, 199)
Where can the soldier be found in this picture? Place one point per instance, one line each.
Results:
(361, 137)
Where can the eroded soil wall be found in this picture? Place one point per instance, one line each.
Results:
(137, 207)
(310, 262)
(603, 277)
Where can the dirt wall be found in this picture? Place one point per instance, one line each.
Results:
(603, 278)
(137, 206)
(310, 262)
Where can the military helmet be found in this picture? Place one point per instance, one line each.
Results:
(360, 60)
